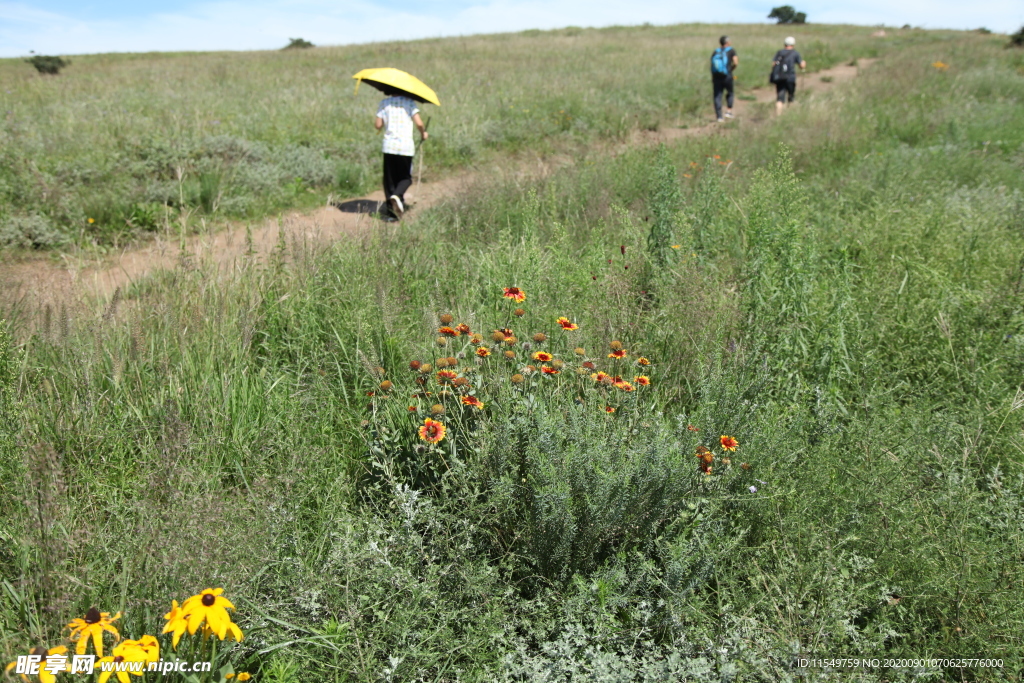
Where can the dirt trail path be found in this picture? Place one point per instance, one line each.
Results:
(33, 284)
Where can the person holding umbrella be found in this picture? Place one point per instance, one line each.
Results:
(397, 114)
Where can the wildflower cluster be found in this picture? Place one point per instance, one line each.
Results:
(473, 372)
(203, 615)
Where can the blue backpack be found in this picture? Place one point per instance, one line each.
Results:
(720, 62)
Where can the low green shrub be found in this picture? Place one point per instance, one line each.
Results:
(30, 232)
(48, 64)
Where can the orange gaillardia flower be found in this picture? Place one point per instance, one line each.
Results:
(617, 353)
(446, 376)
(567, 324)
(548, 370)
(642, 380)
(462, 328)
(542, 356)
(624, 385)
(412, 409)
(92, 625)
(729, 443)
(515, 294)
(643, 361)
(448, 331)
(432, 431)
(473, 401)
(589, 365)
(475, 339)
(609, 409)
(483, 351)
(600, 376)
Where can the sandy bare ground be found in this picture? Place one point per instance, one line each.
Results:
(72, 281)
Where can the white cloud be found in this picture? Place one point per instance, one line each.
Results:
(235, 25)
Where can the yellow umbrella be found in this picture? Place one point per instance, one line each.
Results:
(394, 81)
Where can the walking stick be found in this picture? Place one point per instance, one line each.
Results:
(419, 173)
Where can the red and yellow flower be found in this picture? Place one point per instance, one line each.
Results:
(600, 376)
(448, 331)
(567, 324)
(642, 380)
(543, 356)
(483, 352)
(609, 409)
(729, 443)
(643, 361)
(446, 376)
(548, 370)
(473, 401)
(515, 294)
(432, 431)
(624, 385)
(617, 353)
(462, 328)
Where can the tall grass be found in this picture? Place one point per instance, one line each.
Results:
(116, 134)
(847, 306)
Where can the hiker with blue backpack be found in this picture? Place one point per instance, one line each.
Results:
(723, 62)
(784, 66)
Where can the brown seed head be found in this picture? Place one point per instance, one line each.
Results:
(386, 385)
(426, 368)
(437, 409)
(540, 337)
(441, 341)
(452, 361)
(745, 465)
(510, 354)
(461, 382)
(447, 319)
(580, 351)
(519, 313)
(616, 346)
(518, 379)
(415, 365)
(557, 364)
(498, 336)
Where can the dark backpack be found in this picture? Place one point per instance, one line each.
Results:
(720, 62)
(784, 68)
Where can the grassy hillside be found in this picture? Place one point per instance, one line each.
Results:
(133, 141)
(838, 290)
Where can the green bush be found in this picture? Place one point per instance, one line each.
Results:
(1017, 39)
(297, 44)
(46, 64)
(29, 232)
(787, 15)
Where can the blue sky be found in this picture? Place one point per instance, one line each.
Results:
(86, 26)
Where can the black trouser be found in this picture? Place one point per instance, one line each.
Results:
(722, 84)
(786, 88)
(397, 178)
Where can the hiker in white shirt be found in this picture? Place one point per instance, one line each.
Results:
(396, 116)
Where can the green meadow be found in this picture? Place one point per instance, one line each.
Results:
(141, 142)
(839, 290)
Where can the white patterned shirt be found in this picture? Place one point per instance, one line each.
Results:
(397, 113)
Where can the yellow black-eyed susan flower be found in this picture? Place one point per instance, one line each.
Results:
(92, 625)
